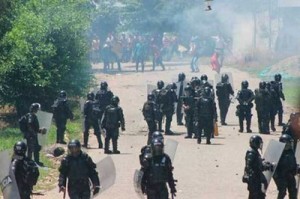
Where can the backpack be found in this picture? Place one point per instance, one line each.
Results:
(23, 123)
(32, 173)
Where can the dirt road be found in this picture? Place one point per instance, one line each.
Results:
(203, 171)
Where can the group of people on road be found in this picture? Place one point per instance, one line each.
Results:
(124, 48)
(268, 100)
(284, 171)
(195, 102)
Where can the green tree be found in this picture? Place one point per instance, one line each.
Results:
(44, 52)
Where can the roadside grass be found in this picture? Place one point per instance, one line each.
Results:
(48, 175)
(291, 88)
(292, 92)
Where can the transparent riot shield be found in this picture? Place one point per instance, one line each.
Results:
(81, 102)
(218, 78)
(170, 148)
(9, 186)
(177, 93)
(272, 154)
(45, 120)
(297, 155)
(150, 88)
(137, 181)
(107, 173)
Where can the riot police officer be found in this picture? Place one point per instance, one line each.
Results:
(253, 173)
(103, 98)
(157, 173)
(245, 97)
(31, 135)
(277, 85)
(61, 113)
(146, 150)
(188, 107)
(149, 112)
(262, 101)
(223, 91)
(78, 169)
(272, 105)
(205, 113)
(166, 99)
(91, 119)
(113, 119)
(179, 114)
(155, 92)
(24, 169)
(286, 169)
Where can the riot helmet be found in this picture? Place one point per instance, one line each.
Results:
(160, 84)
(262, 85)
(181, 77)
(90, 96)
(115, 100)
(20, 148)
(224, 78)
(245, 84)
(63, 94)
(34, 107)
(157, 135)
(256, 142)
(288, 140)
(188, 90)
(204, 77)
(103, 85)
(195, 82)
(157, 147)
(277, 77)
(74, 147)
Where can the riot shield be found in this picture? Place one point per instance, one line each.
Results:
(107, 173)
(177, 94)
(297, 155)
(230, 78)
(170, 148)
(272, 155)
(45, 120)
(9, 185)
(137, 181)
(81, 102)
(150, 88)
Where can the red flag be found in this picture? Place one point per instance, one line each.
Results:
(215, 65)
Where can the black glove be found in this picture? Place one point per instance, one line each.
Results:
(144, 188)
(96, 190)
(245, 179)
(173, 190)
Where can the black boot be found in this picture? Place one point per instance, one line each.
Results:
(106, 147)
(168, 130)
(100, 143)
(85, 140)
(241, 122)
(115, 146)
(249, 126)
(280, 119)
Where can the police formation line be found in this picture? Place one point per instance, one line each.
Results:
(195, 101)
